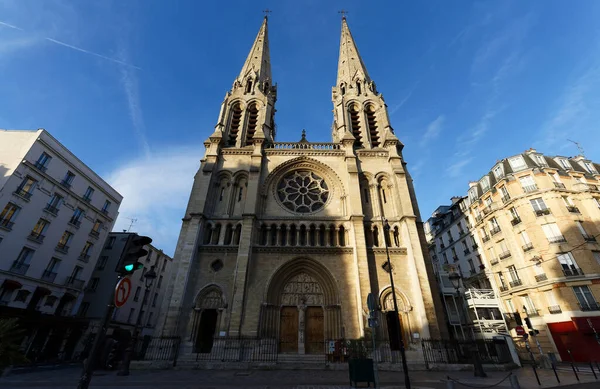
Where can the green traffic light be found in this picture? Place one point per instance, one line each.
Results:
(129, 267)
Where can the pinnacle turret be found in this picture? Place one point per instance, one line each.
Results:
(257, 67)
(350, 65)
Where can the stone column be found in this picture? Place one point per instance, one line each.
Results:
(301, 332)
(336, 237)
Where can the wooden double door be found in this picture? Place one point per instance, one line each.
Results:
(289, 330)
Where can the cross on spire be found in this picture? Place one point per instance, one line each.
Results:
(344, 13)
(267, 12)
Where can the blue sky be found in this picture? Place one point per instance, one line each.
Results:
(133, 87)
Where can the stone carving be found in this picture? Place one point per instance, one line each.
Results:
(388, 303)
(302, 191)
(211, 300)
(303, 290)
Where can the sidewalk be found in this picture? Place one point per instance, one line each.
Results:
(284, 379)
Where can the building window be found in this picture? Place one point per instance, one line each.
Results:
(568, 264)
(149, 256)
(539, 159)
(102, 262)
(77, 216)
(154, 299)
(164, 265)
(68, 180)
(473, 194)
(586, 300)
(106, 207)
(136, 296)
(510, 306)
(22, 295)
(85, 252)
(528, 183)
(596, 255)
(445, 258)
(63, 243)
(471, 266)
(498, 172)
(87, 196)
(43, 161)
(512, 272)
(528, 305)
(130, 316)
(83, 308)
(517, 163)
(94, 284)
(485, 184)
(565, 164)
(76, 272)
(583, 232)
(110, 242)
(54, 203)
(539, 206)
(502, 280)
(450, 238)
(40, 229)
(5, 296)
(160, 278)
(149, 322)
(25, 189)
(8, 215)
(589, 167)
(552, 233)
(21, 264)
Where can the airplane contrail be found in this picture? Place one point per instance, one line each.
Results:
(76, 48)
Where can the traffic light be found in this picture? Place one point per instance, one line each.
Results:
(528, 323)
(134, 249)
(517, 317)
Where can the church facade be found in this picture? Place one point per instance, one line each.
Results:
(285, 240)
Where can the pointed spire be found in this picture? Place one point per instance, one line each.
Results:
(258, 63)
(350, 64)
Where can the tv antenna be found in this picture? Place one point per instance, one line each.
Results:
(578, 147)
(133, 220)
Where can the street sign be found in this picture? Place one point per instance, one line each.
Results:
(371, 302)
(520, 330)
(122, 291)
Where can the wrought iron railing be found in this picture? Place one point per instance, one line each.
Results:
(164, 348)
(541, 277)
(492, 351)
(303, 146)
(554, 309)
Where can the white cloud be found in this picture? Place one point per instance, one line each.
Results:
(433, 130)
(455, 170)
(155, 192)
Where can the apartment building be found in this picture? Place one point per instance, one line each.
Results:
(143, 306)
(537, 219)
(453, 249)
(55, 214)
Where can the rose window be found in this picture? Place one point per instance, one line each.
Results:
(303, 191)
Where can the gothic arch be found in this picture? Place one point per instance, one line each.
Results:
(302, 270)
(210, 297)
(386, 301)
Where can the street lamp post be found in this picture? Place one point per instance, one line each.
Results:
(387, 228)
(149, 278)
(477, 365)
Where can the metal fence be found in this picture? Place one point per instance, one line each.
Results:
(238, 349)
(157, 349)
(493, 351)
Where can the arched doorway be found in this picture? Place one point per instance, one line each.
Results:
(387, 305)
(302, 309)
(207, 316)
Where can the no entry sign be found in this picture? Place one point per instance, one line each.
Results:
(122, 291)
(520, 330)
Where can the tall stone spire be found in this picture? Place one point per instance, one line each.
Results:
(350, 64)
(258, 63)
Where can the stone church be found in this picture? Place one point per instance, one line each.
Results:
(285, 240)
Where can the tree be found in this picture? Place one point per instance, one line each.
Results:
(10, 339)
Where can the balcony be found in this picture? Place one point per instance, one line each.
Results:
(87, 199)
(572, 272)
(74, 283)
(505, 199)
(555, 309)
(589, 238)
(66, 184)
(48, 276)
(541, 277)
(532, 312)
(485, 238)
(573, 209)
(466, 251)
(461, 232)
(94, 233)
(62, 247)
(542, 212)
(593, 188)
(475, 246)
(455, 258)
(503, 288)
(450, 239)
(559, 185)
(504, 254)
(36, 237)
(489, 209)
(589, 307)
(530, 188)
(83, 257)
(40, 167)
(19, 268)
(442, 245)
(6, 224)
(494, 262)
(478, 219)
(23, 193)
(52, 209)
(515, 221)
(527, 247)
(557, 239)
(104, 211)
(515, 283)
(75, 222)
(495, 230)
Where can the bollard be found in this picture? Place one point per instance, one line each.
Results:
(514, 382)
(449, 384)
